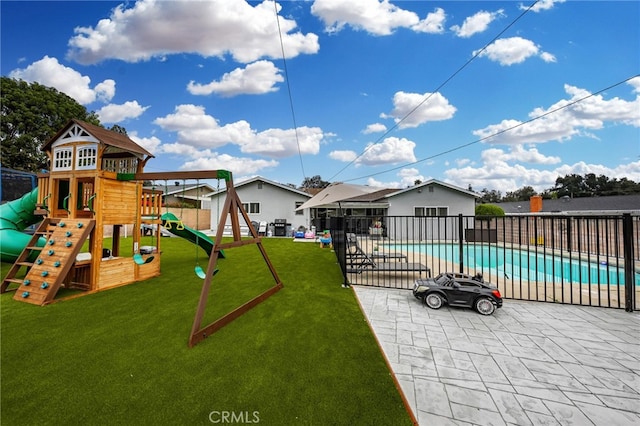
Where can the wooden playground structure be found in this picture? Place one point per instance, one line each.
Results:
(96, 182)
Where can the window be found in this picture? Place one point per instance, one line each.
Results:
(86, 157)
(62, 158)
(251, 207)
(431, 211)
(259, 184)
(298, 204)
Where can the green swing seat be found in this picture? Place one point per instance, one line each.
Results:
(139, 260)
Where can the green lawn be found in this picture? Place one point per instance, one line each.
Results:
(304, 356)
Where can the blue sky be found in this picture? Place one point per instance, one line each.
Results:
(369, 92)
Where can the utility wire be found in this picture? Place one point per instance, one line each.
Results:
(286, 75)
(508, 129)
(436, 90)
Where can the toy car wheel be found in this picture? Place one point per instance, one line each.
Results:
(433, 300)
(485, 306)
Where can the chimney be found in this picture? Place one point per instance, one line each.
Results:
(535, 204)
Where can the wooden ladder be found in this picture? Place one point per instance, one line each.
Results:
(46, 228)
(47, 273)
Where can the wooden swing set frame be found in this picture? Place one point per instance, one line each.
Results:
(232, 206)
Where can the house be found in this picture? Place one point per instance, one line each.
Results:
(367, 205)
(179, 194)
(266, 201)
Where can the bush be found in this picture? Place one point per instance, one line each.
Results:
(489, 210)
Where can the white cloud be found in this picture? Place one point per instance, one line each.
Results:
(375, 128)
(542, 5)
(344, 156)
(547, 57)
(436, 108)
(197, 129)
(205, 159)
(579, 119)
(476, 23)
(378, 17)
(502, 171)
(280, 143)
(49, 72)
(514, 50)
(152, 28)
(151, 144)
(433, 23)
(256, 79)
(407, 179)
(635, 83)
(106, 90)
(237, 165)
(390, 151)
(518, 153)
(114, 113)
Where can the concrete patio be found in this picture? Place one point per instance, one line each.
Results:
(530, 363)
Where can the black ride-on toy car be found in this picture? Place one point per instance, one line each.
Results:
(456, 289)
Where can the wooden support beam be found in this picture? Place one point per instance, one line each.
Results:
(232, 205)
(196, 174)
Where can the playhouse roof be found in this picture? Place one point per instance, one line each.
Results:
(105, 136)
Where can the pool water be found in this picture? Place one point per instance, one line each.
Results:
(527, 265)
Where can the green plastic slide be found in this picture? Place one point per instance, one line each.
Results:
(15, 217)
(174, 225)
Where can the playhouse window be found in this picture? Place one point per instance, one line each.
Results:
(86, 157)
(62, 158)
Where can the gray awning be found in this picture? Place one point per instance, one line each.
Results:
(335, 193)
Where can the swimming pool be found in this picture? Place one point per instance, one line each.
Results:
(527, 265)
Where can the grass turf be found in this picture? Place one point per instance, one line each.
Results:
(304, 356)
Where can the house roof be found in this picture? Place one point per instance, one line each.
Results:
(620, 203)
(361, 194)
(373, 196)
(434, 182)
(107, 137)
(268, 182)
(336, 193)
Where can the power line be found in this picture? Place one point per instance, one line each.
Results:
(426, 98)
(508, 129)
(286, 75)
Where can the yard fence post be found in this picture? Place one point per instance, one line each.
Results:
(629, 281)
(460, 241)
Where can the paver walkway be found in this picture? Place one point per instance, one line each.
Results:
(530, 363)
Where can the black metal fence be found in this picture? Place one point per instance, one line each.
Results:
(583, 260)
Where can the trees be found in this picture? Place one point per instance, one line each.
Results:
(314, 182)
(591, 185)
(493, 196)
(31, 114)
(522, 194)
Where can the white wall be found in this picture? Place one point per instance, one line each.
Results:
(275, 203)
(439, 196)
(427, 228)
